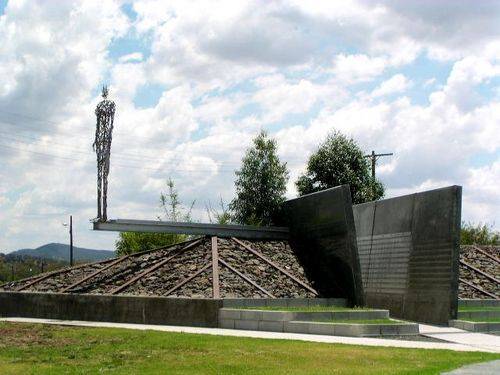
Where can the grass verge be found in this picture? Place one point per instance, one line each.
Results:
(486, 308)
(48, 349)
(481, 320)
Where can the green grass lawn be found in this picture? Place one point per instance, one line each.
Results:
(481, 320)
(317, 308)
(47, 349)
(471, 308)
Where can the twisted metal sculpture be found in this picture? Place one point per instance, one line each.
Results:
(105, 113)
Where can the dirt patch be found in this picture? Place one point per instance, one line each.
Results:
(24, 335)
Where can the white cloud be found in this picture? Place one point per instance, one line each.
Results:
(358, 68)
(396, 84)
(429, 82)
(49, 54)
(131, 57)
(432, 144)
(228, 70)
(481, 195)
(277, 97)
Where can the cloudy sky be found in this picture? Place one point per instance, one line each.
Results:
(195, 81)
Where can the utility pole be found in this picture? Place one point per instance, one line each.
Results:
(374, 157)
(71, 240)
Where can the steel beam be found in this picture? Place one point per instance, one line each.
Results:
(215, 269)
(227, 231)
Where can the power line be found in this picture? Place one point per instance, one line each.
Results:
(124, 156)
(117, 139)
(114, 164)
(38, 119)
(37, 129)
(133, 157)
(136, 156)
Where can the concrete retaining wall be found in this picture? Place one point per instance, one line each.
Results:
(353, 330)
(323, 236)
(281, 316)
(106, 308)
(475, 326)
(478, 315)
(408, 249)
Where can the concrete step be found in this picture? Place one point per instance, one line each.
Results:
(283, 302)
(475, 326)
(267, 315)
(479, 314)
(349, 329)
(315, 322)
(478, 303)
(322, 328)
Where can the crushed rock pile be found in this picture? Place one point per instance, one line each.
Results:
(476, 257)
(185, 270)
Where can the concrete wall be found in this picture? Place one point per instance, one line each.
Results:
(408, 248)
(323, 236)
(107, 308)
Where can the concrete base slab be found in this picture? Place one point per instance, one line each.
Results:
(265, 335)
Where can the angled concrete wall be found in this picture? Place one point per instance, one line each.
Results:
(323, 236)
(408, 248)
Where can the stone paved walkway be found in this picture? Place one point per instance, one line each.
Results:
(486, 368)
(273, 335)
(479, 340)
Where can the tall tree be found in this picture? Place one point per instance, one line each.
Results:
(260, 183)
(173, 210)
(339, 160)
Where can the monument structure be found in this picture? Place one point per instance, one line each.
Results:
(105, 113)
(399, 254)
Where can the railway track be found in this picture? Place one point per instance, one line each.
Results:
(479, 272)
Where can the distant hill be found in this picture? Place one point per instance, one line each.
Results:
(60, 252)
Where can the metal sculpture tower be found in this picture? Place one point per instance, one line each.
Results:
(105, 113)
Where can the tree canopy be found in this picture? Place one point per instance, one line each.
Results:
(260, 183)
(337, 161)
(172, 210)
